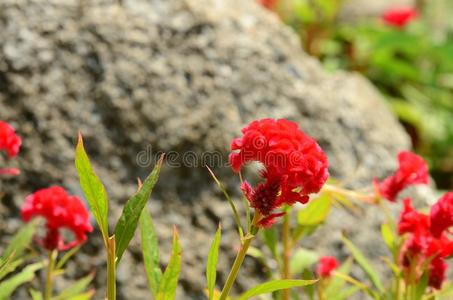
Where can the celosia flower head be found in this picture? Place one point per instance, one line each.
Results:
(294, 164)
(422, 247)
(9, 141)
(399, 17)
(412, 170)
(326, 266)
(442, 214)
(61, 211)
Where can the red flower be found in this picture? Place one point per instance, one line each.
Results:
(269, 4)
(294, 164)
(412, 170)
(60, 211)
(422, 248)
(411, 221)
(326, 266)
(9, 141)
(442, 214)
(399, 17)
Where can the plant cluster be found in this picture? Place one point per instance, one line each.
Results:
(294, 175)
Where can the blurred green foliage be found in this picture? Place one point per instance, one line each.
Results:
(412, 65)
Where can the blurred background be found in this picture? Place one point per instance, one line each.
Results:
(404, 47)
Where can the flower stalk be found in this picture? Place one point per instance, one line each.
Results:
(286, 251)
(49, 274)
(111, 268)
(245, 244)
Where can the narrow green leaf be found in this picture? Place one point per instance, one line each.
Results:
(364, 264)
(274, 285)
(388, 237)
(302, 259)
(309, 290)
(169, 282)
(85, 296)
(9, 266)
(230, 201)
(315, 212)
(270, 237)
(35, 295)
(128, 221)
(150, 250)
(92, 188)
(66, 257)
(211, 265)
(75, 289)
(8, 286)
(20, 241)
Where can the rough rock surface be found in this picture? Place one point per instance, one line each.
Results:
(175, 76)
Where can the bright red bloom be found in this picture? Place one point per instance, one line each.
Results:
(60, 211)
(442, 214)
(326, 266)
(412, 170)
(399, 17)
(9, 141)
(269, 4)
(422, 248)
(412, 221)
(295, 165)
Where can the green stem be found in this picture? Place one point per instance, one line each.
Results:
(111, 268)
(49, 276)
(286, 251)
(245, 244)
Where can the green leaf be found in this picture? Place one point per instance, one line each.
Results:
(92, 188)
(315, 212)
(127, 223)
(388, 236)
(150, 250)
(169, 282)
(9, 266)
(302, 259)
(270, 237)
(364, 264)
(85, 296)
(35, 295)
(274, 285)
(230, 201)
(211, 265)
(309, 289)
(8, 286)
(75, 289)
(20, 241)
(66, 257)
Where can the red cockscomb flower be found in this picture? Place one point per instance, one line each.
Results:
(9, 141)
(269, 4)
(399, 17)
(326, 266)
(423, 249)
(60, 211)
(412, 170)
(412, 221)
(442, 214)
(294, 164)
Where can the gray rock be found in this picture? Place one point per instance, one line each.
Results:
(176, 76)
